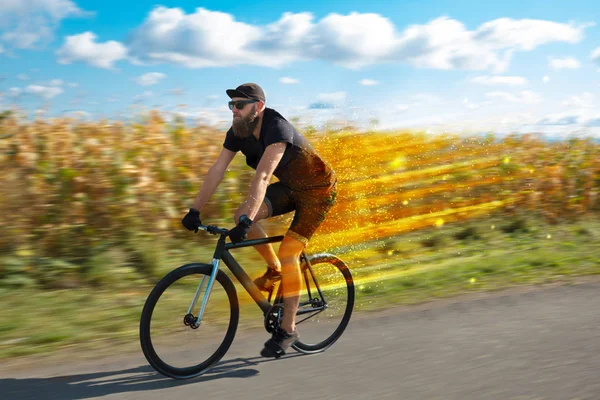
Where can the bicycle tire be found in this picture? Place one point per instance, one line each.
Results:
(146, 318)
(321, 346)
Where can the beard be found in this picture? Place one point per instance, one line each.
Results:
(244, 127)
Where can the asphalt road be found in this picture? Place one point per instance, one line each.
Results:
(521, 344)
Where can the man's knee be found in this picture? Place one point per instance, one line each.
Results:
(290, 250)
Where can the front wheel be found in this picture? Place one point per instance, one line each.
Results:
(172, 340)
(326, 303)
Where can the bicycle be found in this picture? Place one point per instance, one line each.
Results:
(327, 294)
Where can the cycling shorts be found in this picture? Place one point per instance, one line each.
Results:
(310, 206)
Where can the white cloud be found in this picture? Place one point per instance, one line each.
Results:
(584, 100)
(14, 91)
(596, 55)
(368, 82)
(176, 92)
(530, 97)
(502, 96)
(426, 99)
(1, 49)
(282, 42)
(207, 116)
(560, 119)
(83, 47)
(286, 80)
(151, 78)
(143, 96)
(334, 97)
(354, 40)
(25, 24)
(218, 40)
(586, 118)
(402, 107)
(524, 97)
(593, 122)
(77, 114)
(527, 34)
(446, 44)
(46, 92)
(56, 82)
(500, 80)
(72, 84)
(546, 79)
(564, 63)
(22, 77)
(468, 104)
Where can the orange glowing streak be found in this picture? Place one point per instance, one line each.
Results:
(376, 183)
(377, 201)
(365, 233)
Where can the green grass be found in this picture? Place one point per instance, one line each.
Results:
(482, 255)
(493, 259)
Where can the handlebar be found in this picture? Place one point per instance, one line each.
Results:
(215, 230)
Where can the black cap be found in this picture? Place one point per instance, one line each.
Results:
(247, 90)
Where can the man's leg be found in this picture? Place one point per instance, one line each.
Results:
(286, 335)
(310, 213)
(257, 232)
(289, 255)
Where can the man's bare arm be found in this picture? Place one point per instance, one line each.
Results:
(213, 177)
(264, 171)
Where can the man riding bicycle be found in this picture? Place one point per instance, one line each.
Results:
(307, 185)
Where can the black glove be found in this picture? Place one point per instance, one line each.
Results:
(192, 220)
(241, 230)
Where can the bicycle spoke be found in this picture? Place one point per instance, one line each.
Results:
(310, 316)
(326, 302)
(179, 344)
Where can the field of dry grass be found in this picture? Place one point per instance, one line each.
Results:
(90, 216)
(71, 192)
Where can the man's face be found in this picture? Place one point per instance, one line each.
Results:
(245, 111)
(244, 120)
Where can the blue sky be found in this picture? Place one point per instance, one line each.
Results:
(437, 65)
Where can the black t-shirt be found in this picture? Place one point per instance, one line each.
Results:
(300, 168)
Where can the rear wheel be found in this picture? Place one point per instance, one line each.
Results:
(172, 341)
(326, 303)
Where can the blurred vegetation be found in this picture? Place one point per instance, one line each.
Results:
(90, 217)
(468, 256)
(98, 203)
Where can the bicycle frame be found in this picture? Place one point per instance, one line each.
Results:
(239, 272)
(222, 253)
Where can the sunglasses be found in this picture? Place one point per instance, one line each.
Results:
(239, 104)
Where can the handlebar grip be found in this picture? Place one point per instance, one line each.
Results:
(215, 230)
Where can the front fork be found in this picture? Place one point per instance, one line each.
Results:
(189, 318)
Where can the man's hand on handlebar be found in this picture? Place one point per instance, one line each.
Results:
(191, 221)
